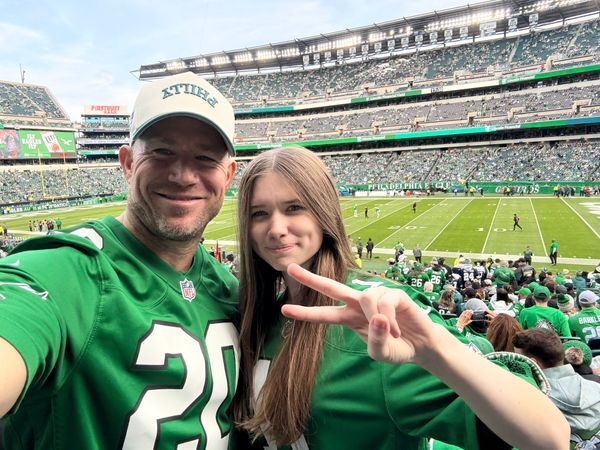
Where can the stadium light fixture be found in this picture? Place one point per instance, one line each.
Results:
(375, 37)
(263, 55)
(474, 18)
(175, 65)
(220, 60)
(243, 57)
(347, 42)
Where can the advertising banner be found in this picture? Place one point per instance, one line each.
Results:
(46, 144)
(105, 110)
(9, 144)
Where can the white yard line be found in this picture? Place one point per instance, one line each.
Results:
(538, 227)
(408, 223)
(451, 220)
(581, 217)
(491, 225)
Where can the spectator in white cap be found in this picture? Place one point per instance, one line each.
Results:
(474, 319)
(129, 319)
(586, 324)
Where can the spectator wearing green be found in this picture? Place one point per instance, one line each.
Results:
(428, 291)
(542, 316)
(517, 306)
(416, 277)
(586, 324)
(503, 275)
(553, 252)
(437, 275)
(579, 283)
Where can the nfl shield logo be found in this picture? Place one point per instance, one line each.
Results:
(188, 292)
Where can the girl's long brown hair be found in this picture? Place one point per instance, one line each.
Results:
(283, 410)
(501, 331)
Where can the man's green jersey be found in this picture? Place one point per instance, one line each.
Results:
(417, 279)
(503, 275)
(437, 277)
(359, 403)
(432, 296)
(544, 317)
(586, 324)
(121, 350)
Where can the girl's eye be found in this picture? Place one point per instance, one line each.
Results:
(293, 208)
(258, 213)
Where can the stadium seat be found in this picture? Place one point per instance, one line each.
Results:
(595, 346)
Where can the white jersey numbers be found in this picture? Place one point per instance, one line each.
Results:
(161, 404)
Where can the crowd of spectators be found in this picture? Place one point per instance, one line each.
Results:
(562, 161)
(508, 306)
(506, 107)
(441, 66)
(18, 186)
(18, 99)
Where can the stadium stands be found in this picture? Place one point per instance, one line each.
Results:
(28, 100)
(504, 107)
(433, 67)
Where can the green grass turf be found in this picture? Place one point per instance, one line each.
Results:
(452, 224)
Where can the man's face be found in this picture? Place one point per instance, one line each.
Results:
(178, 172)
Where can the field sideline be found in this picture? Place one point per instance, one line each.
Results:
(442, 226)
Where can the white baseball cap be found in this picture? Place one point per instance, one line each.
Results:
(184, 94)
(587, 298)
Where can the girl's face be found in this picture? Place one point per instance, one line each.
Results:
(282, 229)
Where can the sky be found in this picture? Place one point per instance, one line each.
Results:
(85, 51)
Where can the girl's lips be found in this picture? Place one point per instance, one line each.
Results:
(281, 248)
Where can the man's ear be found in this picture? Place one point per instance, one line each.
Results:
(126, 160)
(231, 171)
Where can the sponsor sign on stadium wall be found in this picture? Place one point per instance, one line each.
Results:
(105, 110)
(46, 144)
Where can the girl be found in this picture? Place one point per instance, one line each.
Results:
(312, 384)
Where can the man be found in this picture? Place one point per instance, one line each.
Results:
(355, 211)
(437, 276)
(414, 207)
(377, 212)
(416, 277)
(359, 248)
(516, 220)
(586, 324)
(119, 333)
(428, 291)
(370, 245)
(366, 212)
(528, 255)
(577, 398)
(417, 253)
(579, 283)
(542, 316)
(4, 230)
(398, 250)
(553, 252)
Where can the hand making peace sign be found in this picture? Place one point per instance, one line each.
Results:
(394, 327)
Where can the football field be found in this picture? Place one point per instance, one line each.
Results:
(442, 226)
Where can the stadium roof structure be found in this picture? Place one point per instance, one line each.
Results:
(488, 19)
